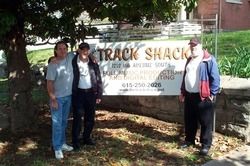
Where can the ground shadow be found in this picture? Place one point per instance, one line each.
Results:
(147, 145)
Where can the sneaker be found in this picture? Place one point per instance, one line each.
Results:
(76, 147)
(67, 148)
(58, 154)
(204, 151)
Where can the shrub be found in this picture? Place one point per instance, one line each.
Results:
(237, 66)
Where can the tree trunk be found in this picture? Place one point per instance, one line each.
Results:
(20, 99)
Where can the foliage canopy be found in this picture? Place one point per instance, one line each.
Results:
(58, 18)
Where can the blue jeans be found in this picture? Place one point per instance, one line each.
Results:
(59, 121)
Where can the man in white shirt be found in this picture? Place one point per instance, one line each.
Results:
(86, 93)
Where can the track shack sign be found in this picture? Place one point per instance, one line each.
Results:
(142, 68)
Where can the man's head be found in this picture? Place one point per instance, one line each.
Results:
(84, 49)
(194, 42)
(84, 45)
(61, 49)
(195, 47)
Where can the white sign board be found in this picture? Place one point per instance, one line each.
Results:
(142, 68)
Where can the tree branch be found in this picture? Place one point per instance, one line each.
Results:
(40, 44)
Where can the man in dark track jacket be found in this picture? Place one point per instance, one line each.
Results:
(86, 93)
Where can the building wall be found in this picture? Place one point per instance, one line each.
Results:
(231, 16)
(235, 16)
(207, 8)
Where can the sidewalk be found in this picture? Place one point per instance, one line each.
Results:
(238, 157)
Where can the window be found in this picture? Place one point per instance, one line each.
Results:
(234, 1)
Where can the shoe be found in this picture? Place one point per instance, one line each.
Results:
(67, 148)
(76, 147)
(58, 154)
(88, 142)
(186, 144)
(204, 151)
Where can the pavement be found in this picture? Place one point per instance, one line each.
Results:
(237, 157)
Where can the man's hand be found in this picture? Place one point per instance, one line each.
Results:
(54, 104)
(181, 98)
(53, 60)
(211, 98)
(50, 88)
(98, 101)
(93, 58)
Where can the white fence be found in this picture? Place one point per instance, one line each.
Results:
(183, 28)
(162, 31)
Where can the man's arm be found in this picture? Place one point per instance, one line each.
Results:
(50, 77)
(99, 84)
(91, 55)
(51, 92)
(183, 90)
(93, 58)
(214, 78)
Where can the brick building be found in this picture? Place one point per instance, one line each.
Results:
(232, 14)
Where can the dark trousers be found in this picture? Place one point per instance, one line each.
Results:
(84, 107)
(197, 111)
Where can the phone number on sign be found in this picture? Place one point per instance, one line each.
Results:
(129, 85)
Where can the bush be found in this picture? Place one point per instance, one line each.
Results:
(237, 66)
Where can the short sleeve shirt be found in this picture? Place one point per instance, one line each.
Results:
(62, 76)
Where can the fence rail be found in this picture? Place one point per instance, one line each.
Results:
(184, 28)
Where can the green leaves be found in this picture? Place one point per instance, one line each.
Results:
(189, 4)
(7, 19)
(237, 66)
(40, 19)
(135, 10)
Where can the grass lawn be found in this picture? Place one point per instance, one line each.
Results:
(228, 41)
(40, 56)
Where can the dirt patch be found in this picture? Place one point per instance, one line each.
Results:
(121, 139)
